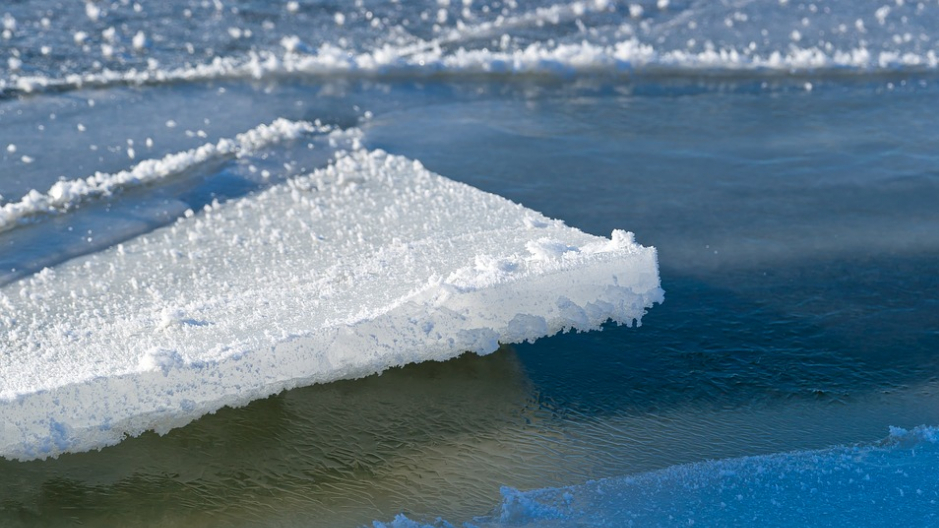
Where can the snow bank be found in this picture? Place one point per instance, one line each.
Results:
(892, 483)
(370, 263)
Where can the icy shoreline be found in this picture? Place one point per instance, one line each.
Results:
(426, 59)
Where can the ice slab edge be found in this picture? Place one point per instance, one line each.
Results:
(891, 483)
(371, 263)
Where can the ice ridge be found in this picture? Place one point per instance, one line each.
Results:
(65, 194)
(428, 58)
(625, 54)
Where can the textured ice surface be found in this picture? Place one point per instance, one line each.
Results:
(67, 194)
(893, 483)
(370, 263)
(154, 43)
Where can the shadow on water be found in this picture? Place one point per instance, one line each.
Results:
(355, 449)
(712, 348)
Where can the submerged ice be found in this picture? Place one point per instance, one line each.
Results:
(370, 263)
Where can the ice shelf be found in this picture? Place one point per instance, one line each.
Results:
(370, 263)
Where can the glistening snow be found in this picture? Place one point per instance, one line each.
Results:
(370, 263)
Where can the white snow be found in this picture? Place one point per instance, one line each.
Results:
(66, 194)
(140, 40)
(92, 10)
(370, 263)
(429, 58)
(625, 53)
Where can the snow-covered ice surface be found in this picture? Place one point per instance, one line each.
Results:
(67, 194)
(371, 263)
(152, 43)
(889, 483)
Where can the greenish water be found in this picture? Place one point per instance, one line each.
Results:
(438, 439)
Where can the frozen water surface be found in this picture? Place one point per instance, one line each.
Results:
(891, 482)
(779, 155)
(370, 263)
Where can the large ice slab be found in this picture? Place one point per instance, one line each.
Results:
(370, 263)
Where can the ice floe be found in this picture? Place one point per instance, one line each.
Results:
(890, 483)
(370, 263)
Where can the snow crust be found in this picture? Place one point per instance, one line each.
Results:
(891, 483)
(781, 38)
(370, 263)
(67, 194)
(428, 58)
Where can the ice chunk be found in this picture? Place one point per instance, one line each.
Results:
(892, 483)
(370, 263)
